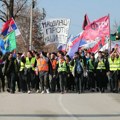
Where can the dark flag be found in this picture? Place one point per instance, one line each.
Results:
(85, 22)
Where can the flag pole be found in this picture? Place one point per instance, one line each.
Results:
(109, 33)
(31, 23)
(23, 38)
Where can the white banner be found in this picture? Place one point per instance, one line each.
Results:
(55, 30)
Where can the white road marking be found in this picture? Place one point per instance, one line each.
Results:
(65, 109)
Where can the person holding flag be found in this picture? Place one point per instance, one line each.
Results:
(9, 44)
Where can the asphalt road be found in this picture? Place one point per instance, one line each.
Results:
(88, 106)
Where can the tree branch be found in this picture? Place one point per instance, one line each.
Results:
(2, 19)
(20, 8)
(3, 12)
(3, 16)
(5, 2)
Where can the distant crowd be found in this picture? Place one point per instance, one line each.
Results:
(43, 72)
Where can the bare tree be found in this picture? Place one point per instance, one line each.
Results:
(20, 11)
(23, 22)
(11, 8)
(115, 27)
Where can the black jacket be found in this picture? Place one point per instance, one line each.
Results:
(11, 66)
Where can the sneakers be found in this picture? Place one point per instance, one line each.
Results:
(47, 91)
(37, 91)
(42, 92)
(29, 91)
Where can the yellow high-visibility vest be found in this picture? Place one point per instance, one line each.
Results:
(22, 66)
(62, 67)
(101, 65)
(117, 63)
(30, 64)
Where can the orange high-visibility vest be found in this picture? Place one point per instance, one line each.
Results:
(42, 64)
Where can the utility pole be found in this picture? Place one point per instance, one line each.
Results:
(31, 22)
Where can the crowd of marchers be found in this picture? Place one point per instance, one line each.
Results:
(43, 72)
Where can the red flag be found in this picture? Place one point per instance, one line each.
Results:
(85, 22)
(97, 29)
(8, 26)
